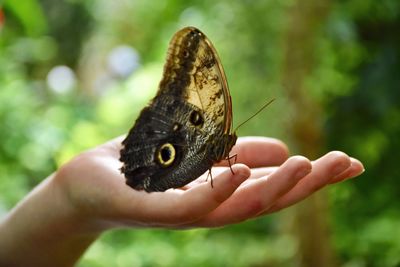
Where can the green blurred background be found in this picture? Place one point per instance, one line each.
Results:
(74, 74)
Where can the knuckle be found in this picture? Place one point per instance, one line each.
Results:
(254, 207)
(299, 160)
(73, 169)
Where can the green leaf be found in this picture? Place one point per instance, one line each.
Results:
(30, 14)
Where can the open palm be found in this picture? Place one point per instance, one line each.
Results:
(265, 180)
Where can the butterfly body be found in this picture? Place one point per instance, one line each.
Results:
(186, 128)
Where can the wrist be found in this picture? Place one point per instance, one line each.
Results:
(45, 227)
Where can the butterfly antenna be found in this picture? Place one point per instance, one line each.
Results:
(255, 114)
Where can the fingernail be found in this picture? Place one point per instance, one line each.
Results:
(355, 174)
(302, 172)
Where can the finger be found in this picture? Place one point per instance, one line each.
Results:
(256, 173)
(262, 172)
(258, 151)
(258, 195)
(323, 171)
(177, 207)
(356, 168)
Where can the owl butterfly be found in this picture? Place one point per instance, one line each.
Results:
(186, 128)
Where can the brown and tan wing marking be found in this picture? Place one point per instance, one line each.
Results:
(193, 71)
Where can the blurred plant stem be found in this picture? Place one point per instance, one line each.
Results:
(310, 223)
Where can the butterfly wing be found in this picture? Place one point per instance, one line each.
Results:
(194, 71)
(186, 127)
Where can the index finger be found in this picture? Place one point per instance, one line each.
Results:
(258, 152)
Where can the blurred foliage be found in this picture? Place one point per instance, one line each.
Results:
(355, 78)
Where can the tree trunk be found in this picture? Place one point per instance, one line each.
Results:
(310, 223)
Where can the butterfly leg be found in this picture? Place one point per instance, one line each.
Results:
(210, 174)
(234, 161)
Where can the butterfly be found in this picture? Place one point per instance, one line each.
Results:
(186, 127)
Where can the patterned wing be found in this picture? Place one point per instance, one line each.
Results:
(193, 70)
(186, 128)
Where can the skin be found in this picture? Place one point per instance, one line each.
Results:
(56, 222)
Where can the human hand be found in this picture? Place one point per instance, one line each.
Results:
(57, 221)
(265, 180)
